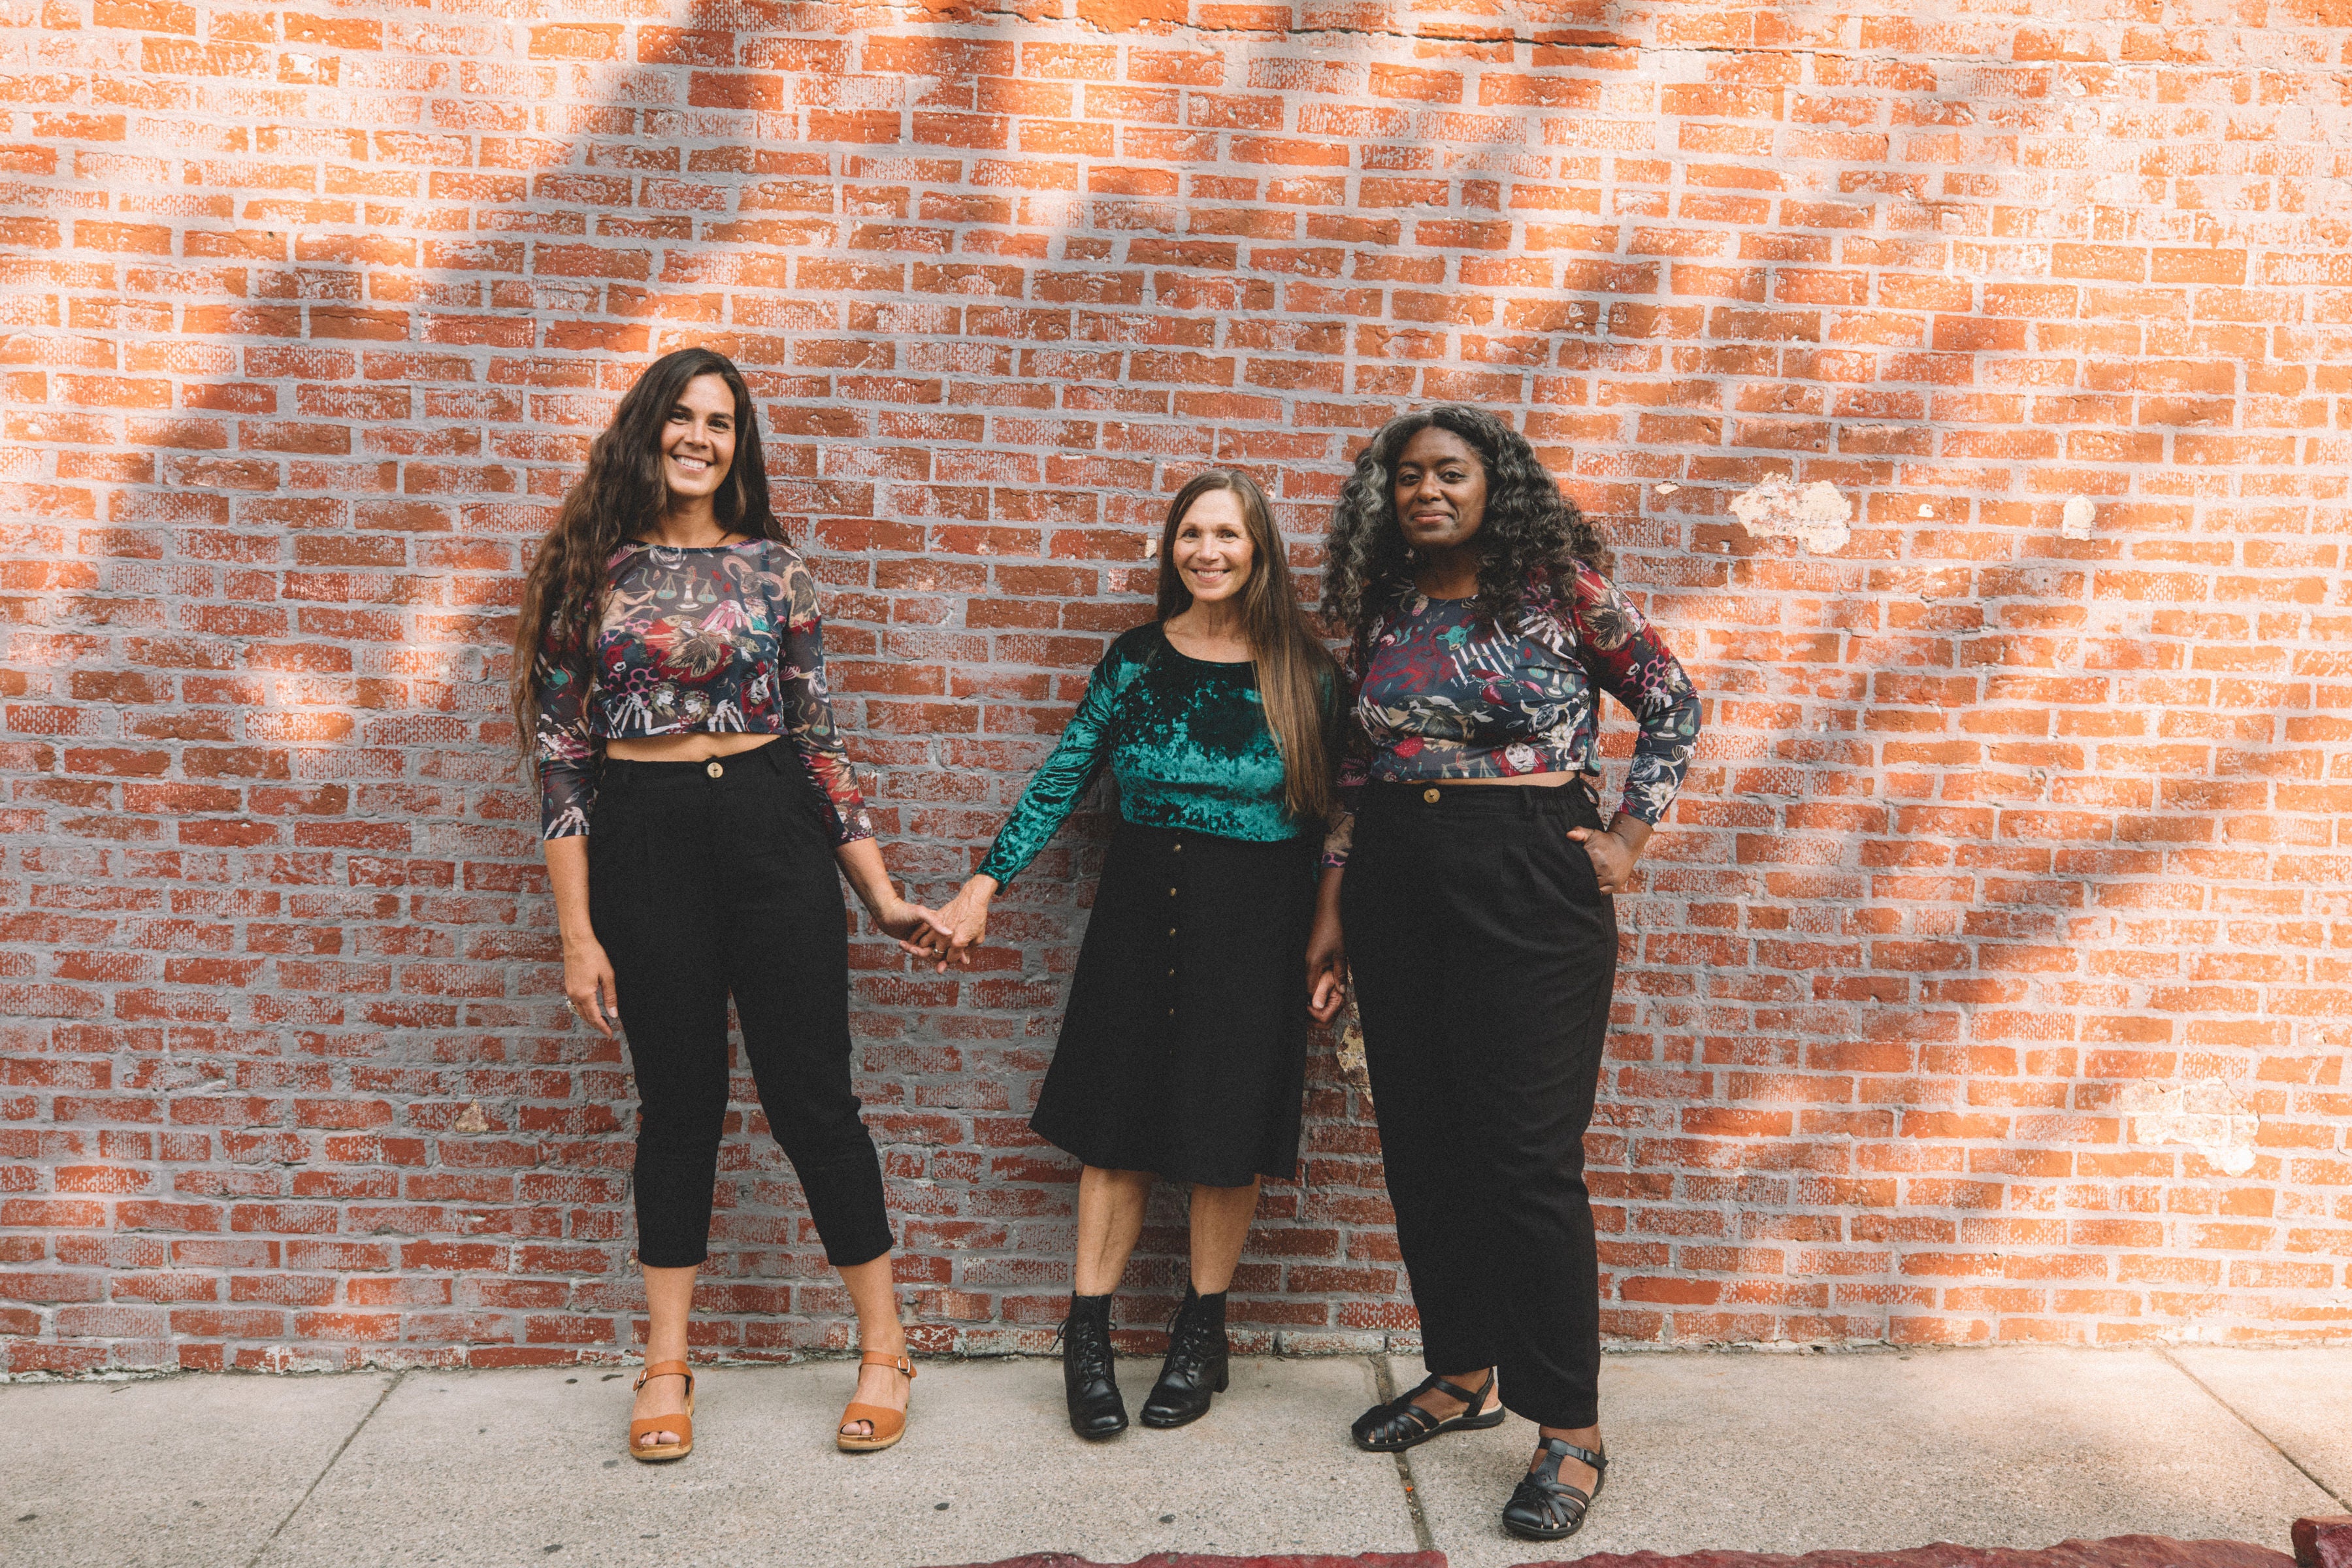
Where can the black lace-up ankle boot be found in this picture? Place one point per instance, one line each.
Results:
(1088, 1380)
(1197, 1365)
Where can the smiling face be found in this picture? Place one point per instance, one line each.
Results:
(1212, 548)
(698, 441)
(1440, 490)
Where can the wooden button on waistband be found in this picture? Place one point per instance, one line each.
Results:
(1430, 795)
(714, 770)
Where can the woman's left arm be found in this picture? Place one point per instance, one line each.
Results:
(805, 706)
(1623, 655)
(806, 709)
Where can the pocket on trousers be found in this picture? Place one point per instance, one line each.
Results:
(797, 815)
(614, 826)
(1584, 882)
(614, 836)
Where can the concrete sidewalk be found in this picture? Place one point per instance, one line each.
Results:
(1760, 1452)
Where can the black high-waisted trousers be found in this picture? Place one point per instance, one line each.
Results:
(708, 879)
(1482, 952)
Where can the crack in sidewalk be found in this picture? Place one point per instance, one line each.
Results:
(2276, 1447)
(1386, 1386)
(271, 1539)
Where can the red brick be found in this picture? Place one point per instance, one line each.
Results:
(1989, 825)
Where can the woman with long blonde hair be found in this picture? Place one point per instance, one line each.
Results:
(1183, 1047)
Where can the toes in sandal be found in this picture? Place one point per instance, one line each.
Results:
(887, 1425)
(1400, 1424)
(659, 1453)
(1545, 1507)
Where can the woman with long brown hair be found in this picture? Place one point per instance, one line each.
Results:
(669, 637)
(1183, 1047)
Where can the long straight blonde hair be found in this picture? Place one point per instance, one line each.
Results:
(1295, 674)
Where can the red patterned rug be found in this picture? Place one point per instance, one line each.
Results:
(2122, 1551)
(1186, 1560)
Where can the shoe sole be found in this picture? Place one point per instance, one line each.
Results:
(1459, 1424)
(1159, 1425)
(1224, 1381)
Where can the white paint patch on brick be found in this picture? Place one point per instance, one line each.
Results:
(1815, 516)
(1350, 1041)
(2207, 1116)
(2075, 523)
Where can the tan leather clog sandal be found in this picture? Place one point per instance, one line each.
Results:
(661, 1453)
(888, 1426)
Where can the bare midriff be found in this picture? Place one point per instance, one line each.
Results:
(699, 748)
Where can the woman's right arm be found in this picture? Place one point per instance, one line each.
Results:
(565, 747)
(1327, 950)
(1054, 792)
(1326, 947)
(587, 973)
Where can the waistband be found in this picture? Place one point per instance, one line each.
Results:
(1150, 834)
(1577, 797)
(775, 758)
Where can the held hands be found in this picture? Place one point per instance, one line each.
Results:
(960, 927)
(911, 923)
(861, 862)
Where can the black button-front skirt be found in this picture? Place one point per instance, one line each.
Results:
(1183, 1050)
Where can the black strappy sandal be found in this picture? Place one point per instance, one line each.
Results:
(1400, 1424)
(1545, 1507)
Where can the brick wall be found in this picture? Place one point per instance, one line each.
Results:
(1990, 982)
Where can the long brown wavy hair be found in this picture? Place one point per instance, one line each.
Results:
(622, 494)
(1296, 675)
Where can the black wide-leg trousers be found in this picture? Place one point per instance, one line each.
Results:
(711, 879)
(1482, 953)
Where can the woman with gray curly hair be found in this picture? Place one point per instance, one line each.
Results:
(1478, 918)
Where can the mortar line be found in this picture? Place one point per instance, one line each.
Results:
(1386, 1386)
(2276, 1447)
(271, 1538)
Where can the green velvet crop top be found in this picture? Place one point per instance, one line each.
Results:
(1186, 740)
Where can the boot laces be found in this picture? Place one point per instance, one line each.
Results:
(1088, 1353)
(1190, 1336)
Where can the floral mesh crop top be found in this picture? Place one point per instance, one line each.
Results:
(693, 641)
(1438, 697)
(1184, 737)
